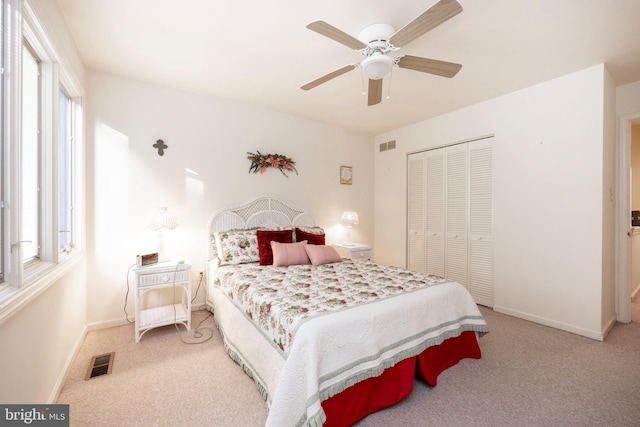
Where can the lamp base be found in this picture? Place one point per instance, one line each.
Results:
(161, 255)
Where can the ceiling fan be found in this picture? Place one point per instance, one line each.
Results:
(377, 40)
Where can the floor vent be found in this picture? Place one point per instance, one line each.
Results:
(100, 365)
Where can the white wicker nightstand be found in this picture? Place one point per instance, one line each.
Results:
(161, 276)
(355, 250)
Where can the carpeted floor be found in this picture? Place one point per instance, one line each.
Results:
(529, 375)
(161, 382)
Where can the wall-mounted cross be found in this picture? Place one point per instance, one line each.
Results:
(160, 145)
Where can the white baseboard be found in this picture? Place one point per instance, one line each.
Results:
(94, 326)
(595, 335)
(57, 388)
(123, 320)
(609, 325)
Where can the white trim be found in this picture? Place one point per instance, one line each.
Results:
(45, 49)
(49, 165)
(464, 141)
(623, 219)
(33, 31)
(593, 334)
(12, 52)
(106, 324)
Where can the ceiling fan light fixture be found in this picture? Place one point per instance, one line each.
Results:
(377, 66)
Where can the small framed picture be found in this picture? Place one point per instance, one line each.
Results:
(346, 175)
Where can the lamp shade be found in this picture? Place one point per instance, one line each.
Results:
(349, 219)
(163, 218)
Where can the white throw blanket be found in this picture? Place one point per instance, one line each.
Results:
(332, 352)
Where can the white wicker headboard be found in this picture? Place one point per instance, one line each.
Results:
(263, 211)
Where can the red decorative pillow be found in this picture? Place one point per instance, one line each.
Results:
(311, 238)
(264, 243)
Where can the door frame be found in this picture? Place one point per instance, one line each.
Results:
(623, 219)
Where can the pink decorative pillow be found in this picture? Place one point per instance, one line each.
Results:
(264, 243)
(315, 237)
(321, 254)
(286, 254)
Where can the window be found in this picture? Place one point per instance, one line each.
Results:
(30, 156)
(40, 146)
(65, 174)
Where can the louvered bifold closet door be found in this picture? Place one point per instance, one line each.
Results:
(481, 221)
(456, 213)
(416, 256)
(435, 208)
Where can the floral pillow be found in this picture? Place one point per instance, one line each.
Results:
(237, 246)
(313, 235)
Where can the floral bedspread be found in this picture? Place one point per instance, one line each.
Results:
(279, 299)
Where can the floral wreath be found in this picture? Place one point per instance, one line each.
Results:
(261, 162)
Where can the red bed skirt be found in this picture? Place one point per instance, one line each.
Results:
(395, 383)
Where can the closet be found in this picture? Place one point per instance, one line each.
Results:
(450, 215)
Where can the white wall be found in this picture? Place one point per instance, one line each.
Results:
(628, 99)
(204, 169)
(548, 196)
(40, 340)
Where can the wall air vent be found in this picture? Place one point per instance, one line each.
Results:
(387, 146)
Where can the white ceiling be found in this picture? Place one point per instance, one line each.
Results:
(260, 53)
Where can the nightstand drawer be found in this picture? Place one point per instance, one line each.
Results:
(169, 277)
(361, 254)
(354, 251)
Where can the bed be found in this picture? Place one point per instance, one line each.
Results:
(327, 340)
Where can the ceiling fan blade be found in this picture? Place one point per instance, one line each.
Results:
(375, 92)
(431, 66)
(333, 33)
(328, 77)
(434, 16)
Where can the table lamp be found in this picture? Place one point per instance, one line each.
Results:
(162, 219)
(348, 220)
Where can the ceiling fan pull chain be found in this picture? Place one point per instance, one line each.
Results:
(364, 91)
(389, 85)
